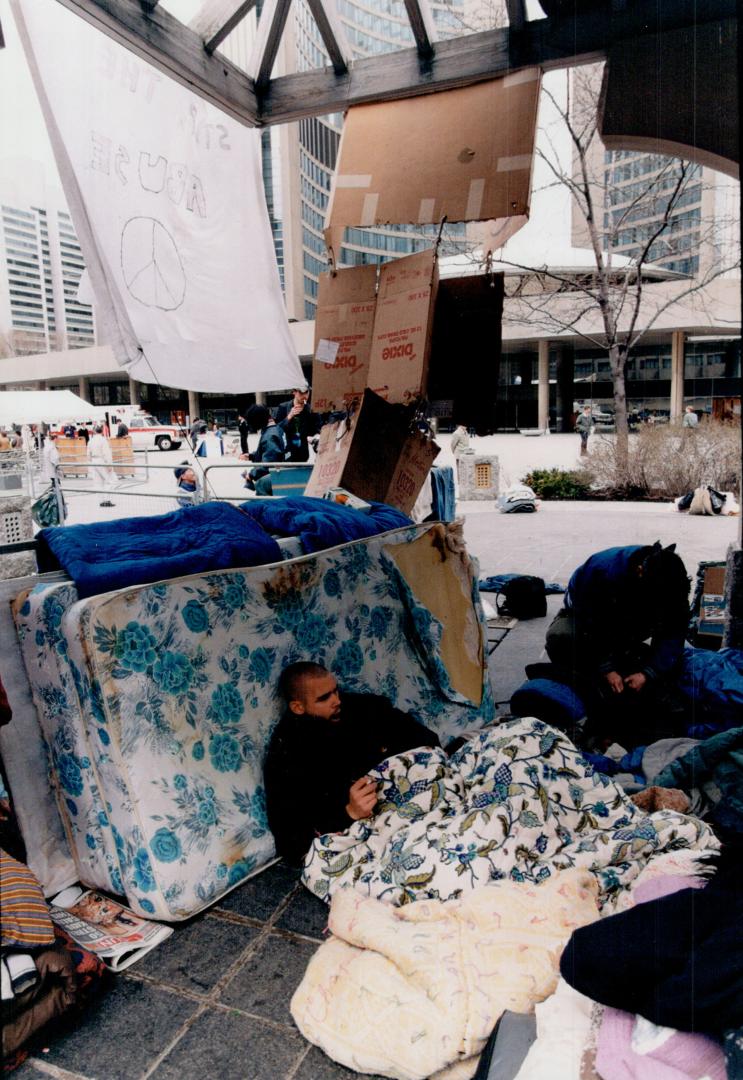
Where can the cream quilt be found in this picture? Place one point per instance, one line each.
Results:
(414, 992)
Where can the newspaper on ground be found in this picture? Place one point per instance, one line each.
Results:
(105, 927)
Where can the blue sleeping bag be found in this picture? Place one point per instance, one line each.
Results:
(109, 555)
(321, 524)
(714, 682)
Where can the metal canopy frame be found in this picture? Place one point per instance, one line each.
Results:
(189, 54)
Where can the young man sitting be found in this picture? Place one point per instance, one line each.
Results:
(320, 753)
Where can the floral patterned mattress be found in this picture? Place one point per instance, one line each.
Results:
(156, 703)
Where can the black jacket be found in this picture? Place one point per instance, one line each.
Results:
(298, 430)
(311, 764)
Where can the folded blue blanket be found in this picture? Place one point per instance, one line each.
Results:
(109, 555)
(320, 523)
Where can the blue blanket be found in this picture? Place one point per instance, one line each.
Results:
(134, 551)
(320, 523)
(714, 682)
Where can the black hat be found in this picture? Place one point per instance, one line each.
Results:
(180, 469)
(257, 416)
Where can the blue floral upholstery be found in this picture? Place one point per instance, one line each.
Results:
(73, 782)
(174, 695)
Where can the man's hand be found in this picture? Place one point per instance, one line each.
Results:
(362, 798)
(295, 411)
(615, 681)
(636, 681)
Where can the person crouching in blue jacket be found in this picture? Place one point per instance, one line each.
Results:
(271, 448)
(622, 632)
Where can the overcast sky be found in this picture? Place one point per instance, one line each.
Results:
(21, 123)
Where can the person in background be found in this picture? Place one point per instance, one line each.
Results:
(83, 433)
(122, 430)
(271, 448)
(101, 460)
(298, 423)
(198, 427)
(188, 484)
(460, 439)
(50, 459)
(243, 427)
(5, 443)
(690, 418)
(584, 427)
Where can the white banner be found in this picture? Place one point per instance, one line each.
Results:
(166, 195)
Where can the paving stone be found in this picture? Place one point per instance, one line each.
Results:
(259, 897)
(227, 1046)
(305, 914)
(318, 1066)
(197, 956)
(28, 1070)
(119, 1034)
(266, 982)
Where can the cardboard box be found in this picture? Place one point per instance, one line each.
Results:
(401, 341)
(464, 154)
(374, 455)
(346, 303)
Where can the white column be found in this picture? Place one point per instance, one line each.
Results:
(135, 396)
(678, 339)
(194, 405)
(84, 388)
(543, 387)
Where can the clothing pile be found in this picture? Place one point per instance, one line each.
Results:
(43, 972)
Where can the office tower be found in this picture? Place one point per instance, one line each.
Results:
(40, 265)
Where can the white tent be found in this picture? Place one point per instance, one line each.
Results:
(49, 406)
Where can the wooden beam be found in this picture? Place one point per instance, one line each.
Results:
(270, 30)
(217, 19)
(516, 13)
(423, 27)
(333, 35)
(174, 49)
(549, 43)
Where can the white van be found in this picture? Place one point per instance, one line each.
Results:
(145, 431)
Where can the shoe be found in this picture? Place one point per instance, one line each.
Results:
(107, 502)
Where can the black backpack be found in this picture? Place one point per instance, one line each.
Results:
(524, 597)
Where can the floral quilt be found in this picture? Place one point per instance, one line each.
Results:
(517, 802)
(158, 702)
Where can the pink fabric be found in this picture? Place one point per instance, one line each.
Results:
(655, 888)
(682, 1056)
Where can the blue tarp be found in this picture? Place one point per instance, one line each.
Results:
(320, 523)
(134, 551)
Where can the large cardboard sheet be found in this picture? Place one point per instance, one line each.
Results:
(463, 155)
(346, 302)
(401, 341)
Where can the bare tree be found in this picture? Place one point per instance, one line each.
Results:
(642, 219)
